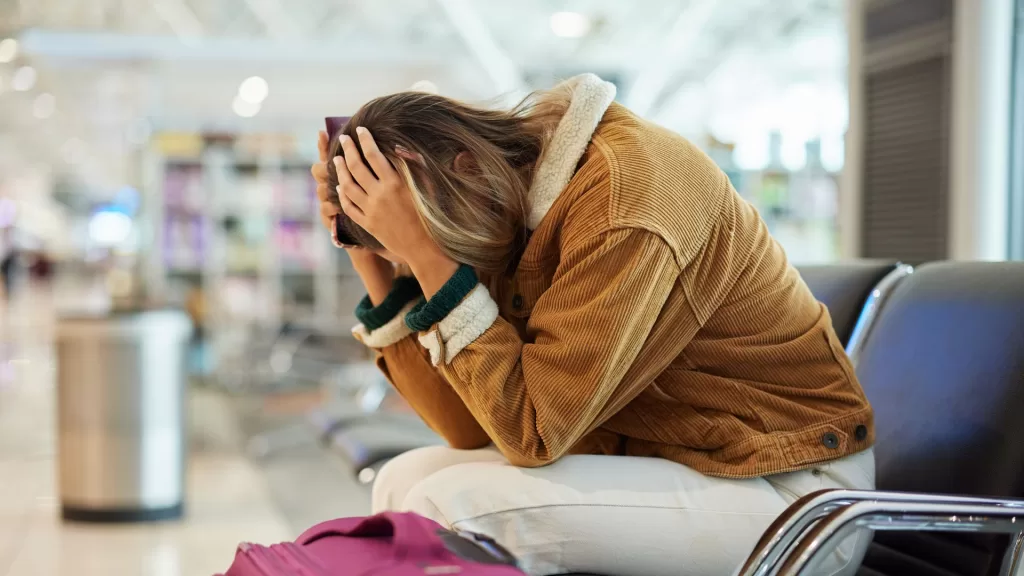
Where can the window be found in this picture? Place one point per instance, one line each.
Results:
(1016, 251)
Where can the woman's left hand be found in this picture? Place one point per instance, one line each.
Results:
(383, 206)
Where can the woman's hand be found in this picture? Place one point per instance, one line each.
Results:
(324, 194)
(383, 206)
(376, 273)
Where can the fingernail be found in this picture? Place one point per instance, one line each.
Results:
(402, 149)
(362, 131)
(343, 138)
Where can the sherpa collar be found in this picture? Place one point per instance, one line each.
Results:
(591, 97)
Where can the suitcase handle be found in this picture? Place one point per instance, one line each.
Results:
(410, 534)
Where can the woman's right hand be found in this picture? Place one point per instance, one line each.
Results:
(376, 273)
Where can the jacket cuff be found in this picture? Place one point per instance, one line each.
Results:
(461, 327)
(404, 290)
(430, 312)
(390, 333)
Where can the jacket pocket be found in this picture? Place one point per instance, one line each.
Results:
(665, 420)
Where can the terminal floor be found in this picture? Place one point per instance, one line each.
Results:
(231, 497)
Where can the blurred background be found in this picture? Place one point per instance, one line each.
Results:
(159, 151)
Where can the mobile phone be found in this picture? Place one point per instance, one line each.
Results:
(335, 124)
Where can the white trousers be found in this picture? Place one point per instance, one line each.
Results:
(615, 515)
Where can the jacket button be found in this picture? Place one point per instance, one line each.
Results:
(830, 440)
(517, 302)
(860, 432)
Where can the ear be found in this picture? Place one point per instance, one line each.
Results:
(464, 162)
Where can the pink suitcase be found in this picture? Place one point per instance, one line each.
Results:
(393, 544)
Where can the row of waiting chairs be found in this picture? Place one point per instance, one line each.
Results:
(940, 353)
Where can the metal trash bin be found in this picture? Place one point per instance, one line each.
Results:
(121, 381)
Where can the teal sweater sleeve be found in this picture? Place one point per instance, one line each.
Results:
(426, 313)
(404, 290)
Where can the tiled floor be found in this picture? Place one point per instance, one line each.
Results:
(230, 497)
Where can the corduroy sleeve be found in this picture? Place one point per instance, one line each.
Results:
(404, 290)
(383, 325)
(406, 366)
(536, 400)
(409, 370)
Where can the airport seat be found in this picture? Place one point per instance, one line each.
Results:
(844, 288)
(944, 370)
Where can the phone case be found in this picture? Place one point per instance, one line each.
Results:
(334, 124)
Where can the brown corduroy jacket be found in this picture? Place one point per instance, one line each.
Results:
(651, 314)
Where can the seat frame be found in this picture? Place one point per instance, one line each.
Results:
(872, 307)
(813, 526)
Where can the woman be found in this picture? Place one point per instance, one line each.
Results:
(630, 376)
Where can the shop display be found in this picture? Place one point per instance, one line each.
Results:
(183, 240)
(245, 227)
(184, 244)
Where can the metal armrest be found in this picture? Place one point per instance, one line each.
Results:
(872, 306)
(790, 527)
(791, 524)
(911, 513)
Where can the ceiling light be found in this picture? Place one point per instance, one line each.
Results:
(24, 79)
(8, 50)
(244, 108)
(109, 228)
(253, 90)
(44, 105)
(570, 24)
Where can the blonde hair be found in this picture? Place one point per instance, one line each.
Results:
(477, 216)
